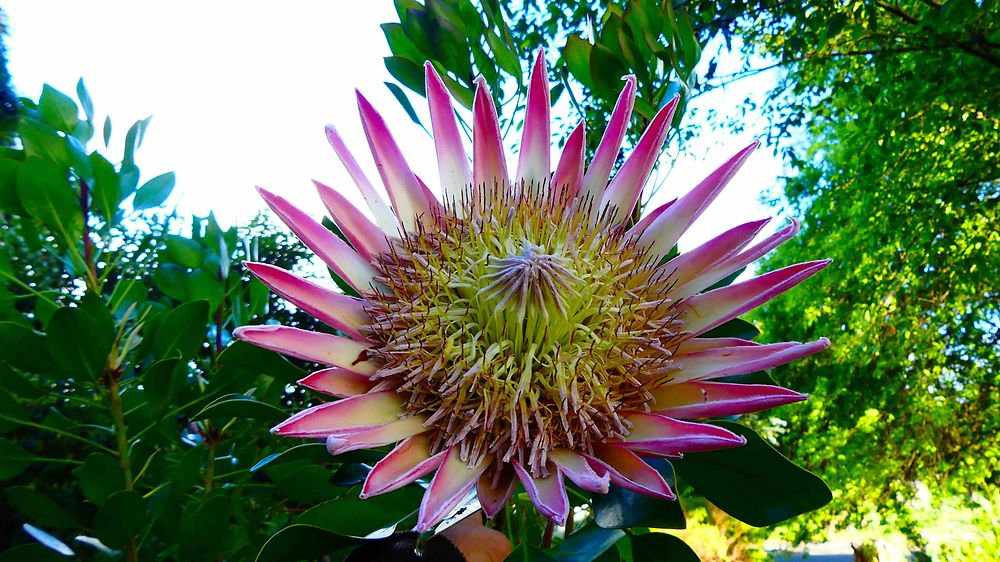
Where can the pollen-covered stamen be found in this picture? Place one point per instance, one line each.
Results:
(530, 278)
(519, 326)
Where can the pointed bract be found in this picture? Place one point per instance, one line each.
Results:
(534, 164)
(408, 199)
(493, 497)
(627, 470)
(577, 469)
(716, 399)
(690, 265)
(453, 162)
(623, 192)
(334, 252)
(451, 483)
(708, 310)
(343, 417)
(338, 381)
(599, 170)
(547, 493)
(569, 172)
(729, 361)
(489, 166)
(653, 432)
(667, 229)
(322, 348)
(376, 436)
(366, 238)
(410, 460)
(733, 262)
(383, 214)
(338, 310)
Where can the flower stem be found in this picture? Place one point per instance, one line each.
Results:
(121, 438)
(550, 528)
(210, 466)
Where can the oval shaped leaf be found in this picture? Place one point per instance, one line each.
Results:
(753, 483)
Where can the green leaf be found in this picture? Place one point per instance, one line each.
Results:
(127, 292)
(154, 192)
(662, 546)
(735, 328)
(577, 56)
(24, 348)
(753, 483)
(182, 330)
(407, 72)
(107, 131)
(99, 477)
(503, 55)
(184, 251)
(302, 542)
(586, 545)
(133, 138)
(352, 516)
(621, 508)
(77, 343)
(397, 92)
(106, 189)
(241, 406)
(58, 109)
(39, 508)
(204, 527)
(85, 101)
(48, 197)
(10, 201)
(308, 451)
(163, 382)
(41, 140)
(122, 517)
(172, 279)
(13, 460)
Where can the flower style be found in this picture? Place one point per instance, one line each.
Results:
(523, 329)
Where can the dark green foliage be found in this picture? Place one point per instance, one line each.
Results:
(123, 421)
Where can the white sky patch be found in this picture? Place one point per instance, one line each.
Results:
(240, 92)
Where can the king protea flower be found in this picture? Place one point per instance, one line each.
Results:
(521, 328)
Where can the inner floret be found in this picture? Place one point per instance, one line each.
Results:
(521, 327)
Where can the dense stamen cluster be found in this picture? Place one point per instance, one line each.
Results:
(516, 327)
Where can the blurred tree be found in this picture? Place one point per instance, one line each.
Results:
(8, 101)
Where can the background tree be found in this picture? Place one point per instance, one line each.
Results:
(897, 180)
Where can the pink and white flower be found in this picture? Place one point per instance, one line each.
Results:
(522, 328)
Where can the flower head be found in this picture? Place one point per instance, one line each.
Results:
(521, 329)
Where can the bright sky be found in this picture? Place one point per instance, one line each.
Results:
(240, 91)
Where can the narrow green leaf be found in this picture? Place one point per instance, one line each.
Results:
(397, 93)
(85, 101)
